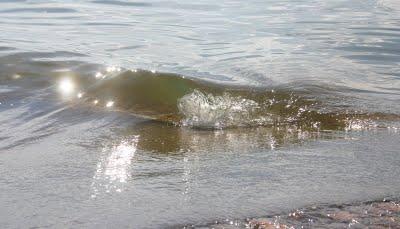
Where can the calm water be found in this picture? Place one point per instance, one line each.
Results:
(159, 114)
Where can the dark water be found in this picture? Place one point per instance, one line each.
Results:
(159, 114)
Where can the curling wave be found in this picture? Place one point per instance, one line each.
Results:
(183, 101)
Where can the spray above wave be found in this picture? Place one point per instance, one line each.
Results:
(182, 101)
(206, 110)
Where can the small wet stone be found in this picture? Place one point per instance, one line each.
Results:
(342, 216)
(266, 224)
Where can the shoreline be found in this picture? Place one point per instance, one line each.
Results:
(369, 214)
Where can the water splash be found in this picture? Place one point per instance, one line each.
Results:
(208, 111)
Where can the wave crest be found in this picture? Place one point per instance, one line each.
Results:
(208, 111)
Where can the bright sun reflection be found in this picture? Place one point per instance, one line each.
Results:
(114, 168)
(113, 69)
(66, 86)
(118, 162)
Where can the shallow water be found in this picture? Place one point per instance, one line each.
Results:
(160, 114)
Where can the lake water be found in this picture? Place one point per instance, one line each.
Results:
(159, 114)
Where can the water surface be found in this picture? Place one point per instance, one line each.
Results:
(160, 114)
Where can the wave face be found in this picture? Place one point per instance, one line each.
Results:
(144, 93)
(187, 102)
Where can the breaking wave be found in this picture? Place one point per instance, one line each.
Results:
(183, 101)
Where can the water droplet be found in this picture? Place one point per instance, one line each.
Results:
(110, 104)
(16, 76)
(98, 75)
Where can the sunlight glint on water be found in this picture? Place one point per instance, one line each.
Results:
(113, 169)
